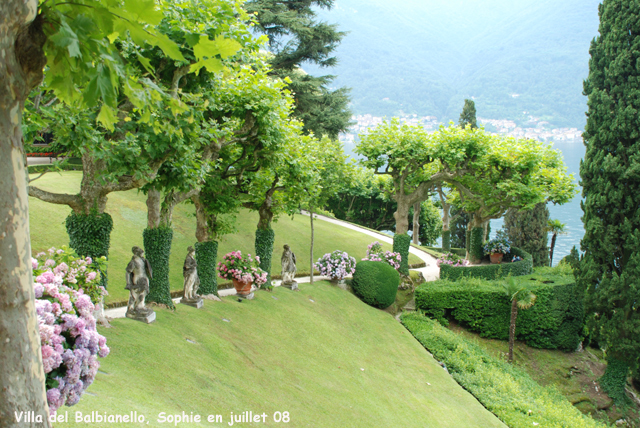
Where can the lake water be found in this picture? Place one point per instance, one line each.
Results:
(569, 213)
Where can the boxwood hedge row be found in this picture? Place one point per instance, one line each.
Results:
(556, 321)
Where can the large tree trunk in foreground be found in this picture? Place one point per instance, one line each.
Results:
(22, 376)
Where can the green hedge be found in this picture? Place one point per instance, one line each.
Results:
(475, 247)
(375, 283)
(556, 321)
(264, 249)
(401, 244)
(459, 251)
(497, 271)
(157, 249)
(90, 235)
(206, 255)
(505, 390)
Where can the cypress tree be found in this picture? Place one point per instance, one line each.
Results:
(468, 115)
(528, 230)
(609, 271)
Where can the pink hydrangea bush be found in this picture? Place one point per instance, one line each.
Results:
(336, 265)
(243, 269)
(69, 340)
(376, 254)
(452, 260)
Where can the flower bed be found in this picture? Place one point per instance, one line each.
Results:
(66, 288)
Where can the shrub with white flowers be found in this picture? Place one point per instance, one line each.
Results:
(336, 265)
(66, 288)
(376, 254)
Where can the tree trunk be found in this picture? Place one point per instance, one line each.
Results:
(402, 216)
(553, 244)
(202, 224)
(22, 375)
(153, 209)
(311, 252)
(416, 222)
(512, 327)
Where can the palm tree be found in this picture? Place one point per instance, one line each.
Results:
(521, 297)
(557, 228)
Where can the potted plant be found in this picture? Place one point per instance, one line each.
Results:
(242, 271)
(336, 265)
(496, 249)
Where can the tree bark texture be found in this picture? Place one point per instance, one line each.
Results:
(153, 209)
(21, 61)
(202, 223)
(402, 215)
(416, 222)
(512, 327)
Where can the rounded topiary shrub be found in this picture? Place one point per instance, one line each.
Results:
(375, 283)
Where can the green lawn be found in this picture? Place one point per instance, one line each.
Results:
(319, 354)
(129, 213)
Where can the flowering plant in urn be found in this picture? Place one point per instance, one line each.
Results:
(242, 269)
(376, 254)
(65, 296)
(336, 265)
(497, 246)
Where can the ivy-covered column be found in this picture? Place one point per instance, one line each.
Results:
(475, 246)
(401, 244)
(206, 255)
(157, 248)
(90, 235)
(264, 249)
(446, 241)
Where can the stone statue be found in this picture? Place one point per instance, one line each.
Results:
(288, 261)
(138, 274)
(191, 280)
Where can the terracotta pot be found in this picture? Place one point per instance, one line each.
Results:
(242, 288)
(496, 258)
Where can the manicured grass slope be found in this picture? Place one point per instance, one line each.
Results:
(285, 354)
(129, 213)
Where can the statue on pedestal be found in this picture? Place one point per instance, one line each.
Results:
(138, 274)
(288, 262)
(191, 280)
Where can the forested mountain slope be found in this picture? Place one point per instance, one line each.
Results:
(427, 56)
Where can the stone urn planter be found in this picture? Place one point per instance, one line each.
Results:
(496, 258)
(338, 281)
(243, 288)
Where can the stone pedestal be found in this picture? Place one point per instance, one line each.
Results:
(249, 296)
(194, 303)
(293, 285)
(146, 317)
